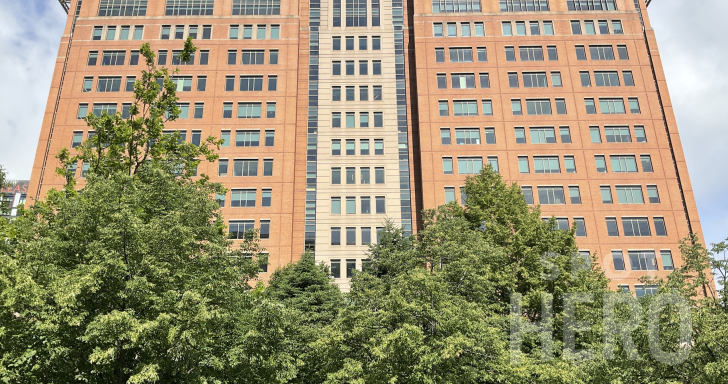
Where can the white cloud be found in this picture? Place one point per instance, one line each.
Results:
(30, 33)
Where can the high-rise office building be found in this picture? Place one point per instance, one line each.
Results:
(339, 114)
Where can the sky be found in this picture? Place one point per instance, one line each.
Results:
(689, 38)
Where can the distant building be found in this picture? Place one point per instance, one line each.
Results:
(12, 196)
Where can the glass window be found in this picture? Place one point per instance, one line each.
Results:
(569, 164)
(623, 163)
(551, 195)
(618, 260)
(589, 27)
(520, 135)
(666, 257)
(527, 194)
(510, 54)
(556, 79)
(606, 193)
(523, 165)
(479, 29)
(628, 78)
(447, 165)
(591, 109)
(489, 135)
(449, 195)
(601, 164)
(364, 147)
(469, 165)
(580, 53)
(487, 107)
(642, 260)
(507, 28)
(565, 133)
(629, 194)
(612, 228)
(553, 53)
(336, 147)
(366, 205)
(445, 136)
(660, 229)
(484, 80)
(516, 107)
(636, 226)
(653, 194)
(365, 175)
(379, 175)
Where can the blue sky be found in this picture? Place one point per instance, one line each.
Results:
(690, 38)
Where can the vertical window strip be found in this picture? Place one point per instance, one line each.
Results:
(314, 24)
(403, 140)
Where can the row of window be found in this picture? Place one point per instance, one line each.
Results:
(356, 13)
(534, 28)
(349, 174)
(246, 198)
(543, 164)
(531, 53)
(351, 122)
(350, 93)
(261, 32)
(590, 27)
(183, 83)
(249, 83)
(536, 79)
(467, 136)
(608, 106)
(365, 205)
(461, 6)
(461, 54)
(246, 110)
(350, 68)
(188, 7)
(619, 163)
(238, 228)
(641, 290)
(116, 58)
(350, 233)
(606, 78)
(466, 29)
(644, 260)
(629, 194)
(468, 165)
(113, 32)
(244, 167)
(350, 147)
(612, 134)
(362, 46)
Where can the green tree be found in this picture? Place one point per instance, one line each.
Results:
(306, 289)
(436, 307)
(127, 144)
(134, 279)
